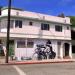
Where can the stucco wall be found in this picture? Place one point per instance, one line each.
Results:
(28, 52)
(36, 32)
(36, 15)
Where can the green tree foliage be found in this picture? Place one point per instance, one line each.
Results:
(0, 9)
(11, 51)
(61, 15)
(72, 19)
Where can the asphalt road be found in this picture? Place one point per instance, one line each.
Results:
(39, 69)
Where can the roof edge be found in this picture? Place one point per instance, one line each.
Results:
(4, 8)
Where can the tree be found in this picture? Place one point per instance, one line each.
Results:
(72, 20)
(61, 15)
(0, 9)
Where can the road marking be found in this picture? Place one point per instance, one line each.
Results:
(19, 70)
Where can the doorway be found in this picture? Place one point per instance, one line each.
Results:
(66, 45)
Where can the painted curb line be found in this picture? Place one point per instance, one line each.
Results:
(36, 62)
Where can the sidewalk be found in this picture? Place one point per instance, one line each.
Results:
(2, 62)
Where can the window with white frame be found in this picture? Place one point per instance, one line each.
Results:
(30, 23)
(45, 26)
(68, 27)
(25, 44)
(18, 24)
(30, 44)
(11, 23)
(58, 28)
(3, 23)
(21, 44)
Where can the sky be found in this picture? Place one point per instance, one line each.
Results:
(50, 7)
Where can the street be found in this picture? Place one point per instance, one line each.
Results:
(39, 69)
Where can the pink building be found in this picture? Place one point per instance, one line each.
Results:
(28, 29)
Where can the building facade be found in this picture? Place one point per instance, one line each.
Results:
(27, 29)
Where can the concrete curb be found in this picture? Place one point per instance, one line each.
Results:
(39, 62)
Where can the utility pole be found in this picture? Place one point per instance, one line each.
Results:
(8, 31)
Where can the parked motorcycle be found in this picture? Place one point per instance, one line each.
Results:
(44, 52)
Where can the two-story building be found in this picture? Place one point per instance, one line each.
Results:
(27, 29)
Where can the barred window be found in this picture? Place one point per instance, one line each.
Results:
(45, 26)
(58, 28)
(18, 23)
(21, 44)
(30, 23)
(68, 27)
(30, 44)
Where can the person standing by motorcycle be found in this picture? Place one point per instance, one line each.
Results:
(50, 53)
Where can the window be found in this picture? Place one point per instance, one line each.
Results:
(59, 43)
(18, 23)
(11, 23)
(30, 23)
(4, 24)
(30, 44)
(45, 26)
(67, 27)
(21, 44)
(58, 28)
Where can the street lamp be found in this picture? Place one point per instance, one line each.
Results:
(8, 31)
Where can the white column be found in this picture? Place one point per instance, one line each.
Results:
(61, 51)
(17, 51)
(14, 24)
(70, 50)
(26, 46)
(56, 54)
(55, 48)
